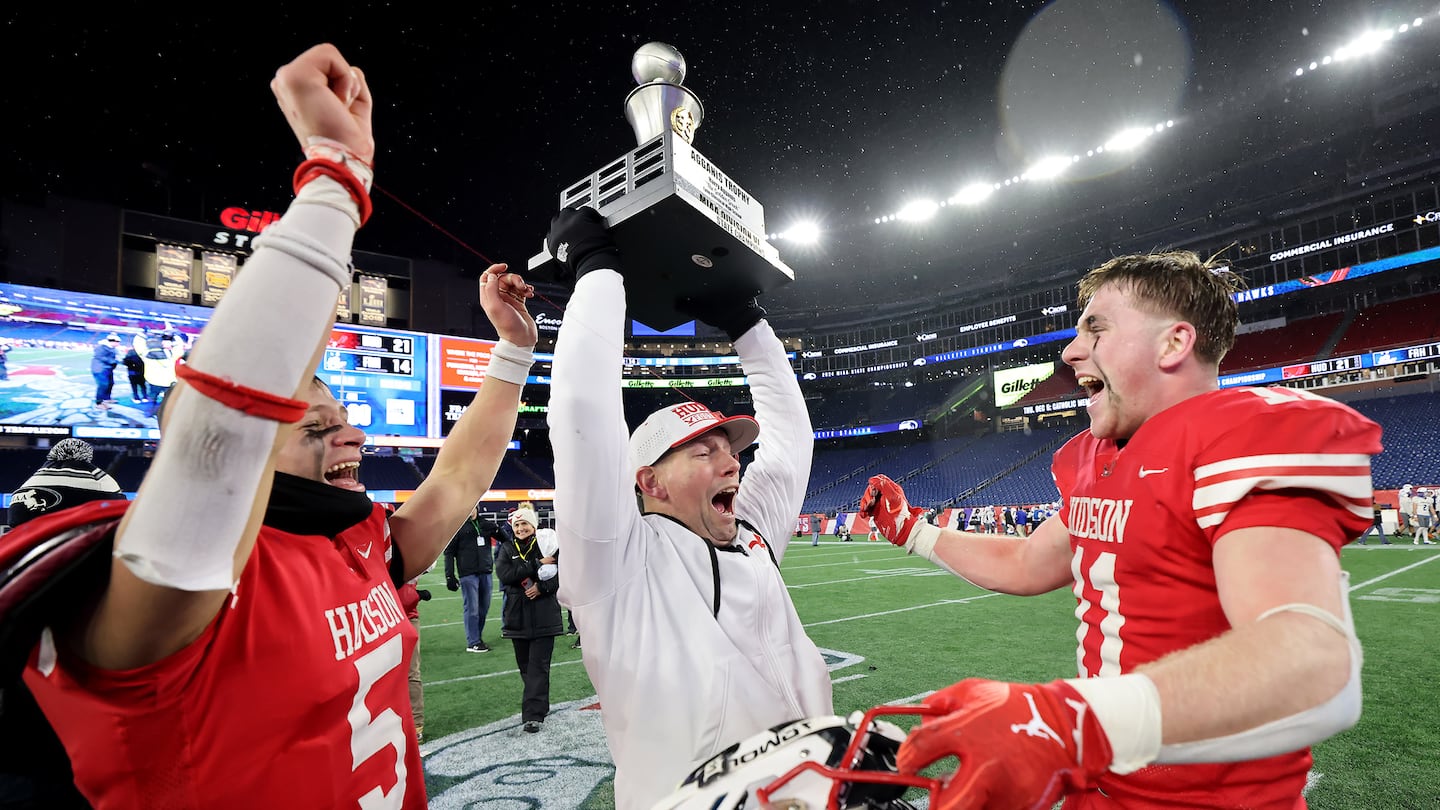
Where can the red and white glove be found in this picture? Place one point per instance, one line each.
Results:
(1020, 746)
(884, 502)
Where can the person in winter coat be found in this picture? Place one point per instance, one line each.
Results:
(468, 566)
(528, 568)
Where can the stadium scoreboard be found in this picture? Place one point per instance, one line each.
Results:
(381, 376)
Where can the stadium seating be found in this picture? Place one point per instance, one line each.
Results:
(1296, 342)
(1394, 323)
(1412, 452)
(388, 472)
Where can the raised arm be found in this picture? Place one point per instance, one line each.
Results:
(194, 521)
(593, 481)
(472, 453)
(774, 487)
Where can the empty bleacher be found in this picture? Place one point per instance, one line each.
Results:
(1297, 341)
(1394, 323)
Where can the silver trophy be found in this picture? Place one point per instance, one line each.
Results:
(683, 227)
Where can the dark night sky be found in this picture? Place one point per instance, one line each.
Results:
(839, 110)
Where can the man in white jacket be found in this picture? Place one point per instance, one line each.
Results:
(691, 639)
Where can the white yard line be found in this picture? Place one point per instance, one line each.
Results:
(966, 600)
(1383, 577)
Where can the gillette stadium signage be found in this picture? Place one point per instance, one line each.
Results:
(1013, 383)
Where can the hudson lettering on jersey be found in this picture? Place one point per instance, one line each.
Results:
(359, 623)
(1100, 519)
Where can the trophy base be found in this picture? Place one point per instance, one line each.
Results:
(676, 238)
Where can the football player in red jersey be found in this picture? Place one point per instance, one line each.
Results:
(1200, 532)
(230, 664)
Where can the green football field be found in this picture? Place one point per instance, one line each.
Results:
(895, 629)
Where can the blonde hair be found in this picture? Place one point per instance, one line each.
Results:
(1178, 283)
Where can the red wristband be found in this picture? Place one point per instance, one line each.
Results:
(318, 167)
(251, 401)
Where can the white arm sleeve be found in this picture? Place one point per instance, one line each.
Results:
(773, 489)
(595, 512)
(191, 511)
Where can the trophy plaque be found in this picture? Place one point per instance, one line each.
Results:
(683, 227)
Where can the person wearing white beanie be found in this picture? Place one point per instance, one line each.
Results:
(528, 570)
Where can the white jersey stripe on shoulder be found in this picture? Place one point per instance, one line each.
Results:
(1212, 503)
(1283, 460)
(1354, 488)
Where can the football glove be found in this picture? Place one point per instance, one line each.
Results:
(1020, 746)
(452, 584)
(733, 313)
(884, 501)
(580, 241)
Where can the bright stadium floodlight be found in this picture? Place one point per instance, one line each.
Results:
(973, 193)
(918, 211)
(1047, 168)
(1368, 42)
(802, 233)
(1128, 139)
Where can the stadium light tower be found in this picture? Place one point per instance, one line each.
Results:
(973, 193)
(1047, 168)
(1128, 139)
(802, 233)
(918, 211)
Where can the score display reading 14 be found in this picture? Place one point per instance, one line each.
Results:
(380, 376)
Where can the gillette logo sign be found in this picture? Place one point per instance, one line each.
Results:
(1013, 383)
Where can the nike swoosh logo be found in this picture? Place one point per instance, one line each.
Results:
(365, 552)
(1144, 472)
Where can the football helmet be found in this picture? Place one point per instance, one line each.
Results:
(50, 569)
(819, 763)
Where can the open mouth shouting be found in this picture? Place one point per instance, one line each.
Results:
(1092, 385)
(724, 501)
(345, 475)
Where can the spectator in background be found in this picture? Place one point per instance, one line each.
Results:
(135, 370)
(468, 565)
(1406, 524)
(1010, 520)
(529, 572)
(842, 531)
(34, 769)
(67, 478)
(102, 368)
(1424, 517)
(410, 598)
(1378, 527)
(817, 522)
(1022, 521)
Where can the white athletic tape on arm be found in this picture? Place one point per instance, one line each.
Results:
(510, 363)
(921, 543)
(188, 520)
(1298, 730)
(1128, 708)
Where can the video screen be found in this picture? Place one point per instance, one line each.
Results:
(91, 365)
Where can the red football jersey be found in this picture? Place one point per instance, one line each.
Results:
(295, 696)
(1143, 521)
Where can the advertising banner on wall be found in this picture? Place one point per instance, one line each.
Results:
(1013, 383)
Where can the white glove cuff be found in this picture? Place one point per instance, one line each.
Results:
(510, 363)
(1128, 709)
